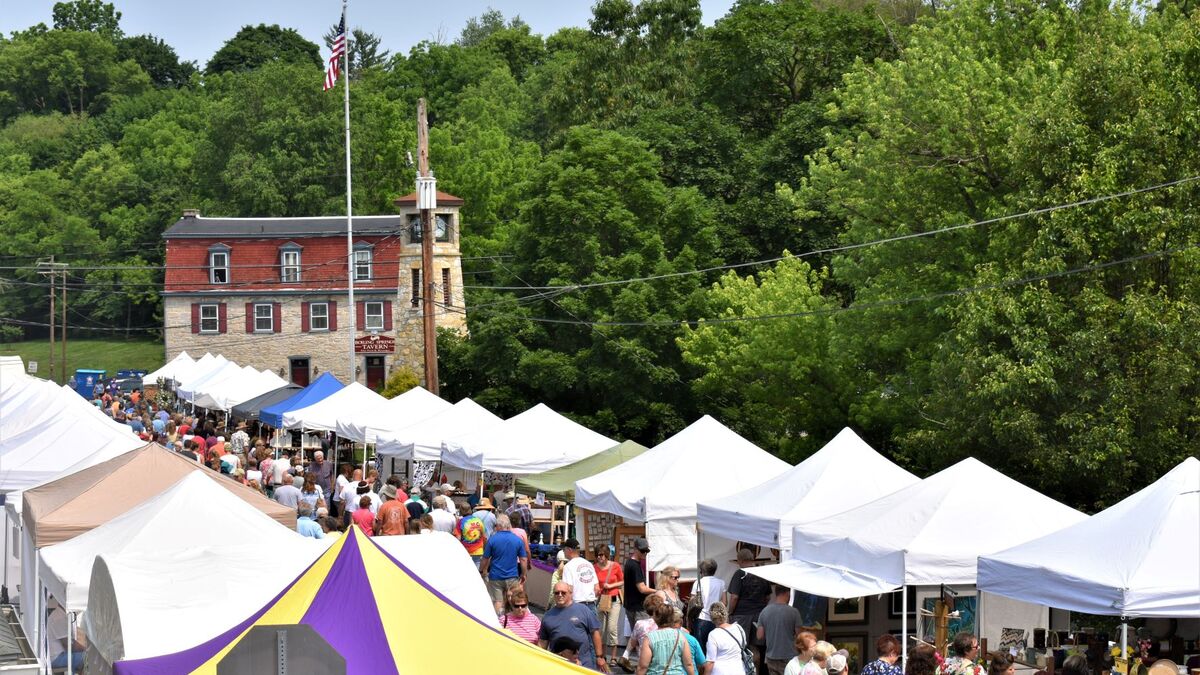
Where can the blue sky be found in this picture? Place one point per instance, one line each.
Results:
(196, 29)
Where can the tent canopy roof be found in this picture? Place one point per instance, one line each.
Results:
(74, 504)
(401, 621)
(422, 441)
(176, 366)
(195, 511)
(249, 410)
(560, 483)
(534, 441)
(219, 370)
(323, 387)
(1139, 557)
(349, 401)
(844, 474)
(407, 409)
(933, 531)
(666, 481)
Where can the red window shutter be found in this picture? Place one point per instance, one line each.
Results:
(332, 315)
(249, 317)
(304, 324)
(195, 317)
(222, 316)
(277, 317)
(360, 316)
(387, 315)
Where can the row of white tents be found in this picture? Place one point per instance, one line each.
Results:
(154, 552)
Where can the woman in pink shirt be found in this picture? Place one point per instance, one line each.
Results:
(518, 619)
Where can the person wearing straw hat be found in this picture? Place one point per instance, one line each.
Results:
(486, 513)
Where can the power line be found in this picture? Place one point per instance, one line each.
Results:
(850, 247)
(870, 305)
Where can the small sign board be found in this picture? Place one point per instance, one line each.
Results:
(374, 344)
(32, 367)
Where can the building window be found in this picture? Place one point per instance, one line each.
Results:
(318, 316)
(218, 267)
(289, 265)
(264, 318)
(446, 287)
(362, 264)
(374, 315)
(209, 321)
(416, 287)
(441, 226)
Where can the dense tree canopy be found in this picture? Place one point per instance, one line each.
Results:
(632, 188)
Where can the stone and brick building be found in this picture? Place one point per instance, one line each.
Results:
(273, 292)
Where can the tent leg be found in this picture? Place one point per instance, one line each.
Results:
(1125, 639)
(903, 627)
(70, 642)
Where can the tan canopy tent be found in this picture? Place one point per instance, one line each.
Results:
(61, 509)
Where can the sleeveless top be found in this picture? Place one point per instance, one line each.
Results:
(662, 642)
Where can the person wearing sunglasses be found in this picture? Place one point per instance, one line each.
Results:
(667, 582)
(575, 621)
(518, 619)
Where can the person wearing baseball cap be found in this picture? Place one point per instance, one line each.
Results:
(580, 574)
(636, 588)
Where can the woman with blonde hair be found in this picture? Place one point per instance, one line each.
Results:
(725, 643)
(667, 584)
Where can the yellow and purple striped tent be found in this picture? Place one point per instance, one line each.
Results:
(379, 616)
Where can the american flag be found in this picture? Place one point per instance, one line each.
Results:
(334, 66)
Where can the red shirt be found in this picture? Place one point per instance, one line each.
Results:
(612, 576)
(364, 519)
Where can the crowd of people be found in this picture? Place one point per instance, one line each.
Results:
(747, 626)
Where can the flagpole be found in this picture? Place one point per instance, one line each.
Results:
(351, 309)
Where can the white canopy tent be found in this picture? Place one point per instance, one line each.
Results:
(204, 395)
(204, 364)
(142, 606)
(170, 371)
(239, 387)
(929, 533)
(11, 366)
(405, 410)
(765, 514)
(1138, 558)
(536, 440)
(196, 511)
(422, 441)
(661, 486)
(353, 400)
(219, 370)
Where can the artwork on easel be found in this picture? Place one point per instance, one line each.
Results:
(965, 605)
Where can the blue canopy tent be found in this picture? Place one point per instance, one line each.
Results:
(324, 385)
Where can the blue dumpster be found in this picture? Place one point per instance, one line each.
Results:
(86, 380)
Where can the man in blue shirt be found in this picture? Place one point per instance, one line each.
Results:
(575, 621)
(504, 562)
(305, 525)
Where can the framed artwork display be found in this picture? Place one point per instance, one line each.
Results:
(856, 645)
(896, 604)
(848, 610)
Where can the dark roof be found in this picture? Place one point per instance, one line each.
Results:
(443, 199)
(199, 227)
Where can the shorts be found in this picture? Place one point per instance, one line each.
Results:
(499, 588)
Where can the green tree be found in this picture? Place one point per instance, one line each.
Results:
(775, 378)
(597, 210)
(157, 58)
(255, 46)
(1081, 383)
(400, 381)
(364, 49)
(92, 16)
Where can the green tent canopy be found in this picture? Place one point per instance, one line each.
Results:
(559, 484)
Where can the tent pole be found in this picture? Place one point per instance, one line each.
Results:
(1125, 641)
(70, 641)
(903, 626)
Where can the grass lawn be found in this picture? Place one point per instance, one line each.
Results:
(110, 355)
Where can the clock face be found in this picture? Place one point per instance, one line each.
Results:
(441, 227)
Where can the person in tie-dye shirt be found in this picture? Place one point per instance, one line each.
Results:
(471, 533)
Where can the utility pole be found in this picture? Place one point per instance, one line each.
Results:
(63, 345)
(427, 201)
(50, 267)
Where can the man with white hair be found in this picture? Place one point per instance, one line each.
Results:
(503, 564)
(322, 470)
(442, 520)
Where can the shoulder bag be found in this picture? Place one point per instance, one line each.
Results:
(747, 654)
(605, 604)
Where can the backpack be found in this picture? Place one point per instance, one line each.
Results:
(747, 654)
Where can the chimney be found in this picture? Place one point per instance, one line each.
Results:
(191, 213)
